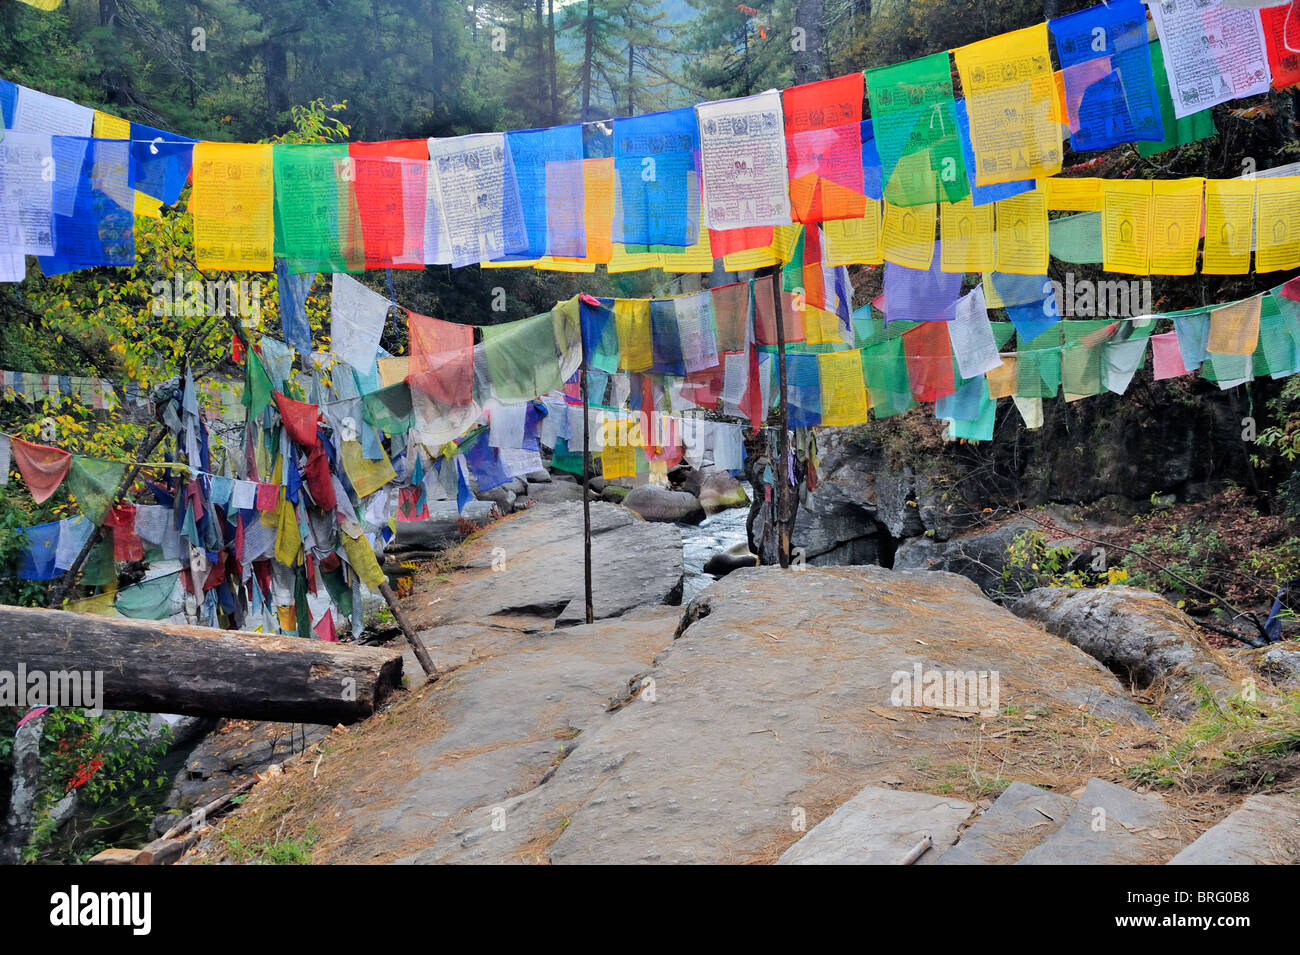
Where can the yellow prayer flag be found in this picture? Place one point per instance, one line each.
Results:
(820, 326)
(617, 462)
(1022, 233)
(1277, 223)
(1011, 100)
(1234, 329)
(854, 241)
(1002, 380)
(232, 204)
(784, 240)
(907, 235)
(695, 258)
(621, 260)
(287, 617)
(1229, 210)
(844, 392)
(393, 370)
(46, 5)
(967, 232)
(361, 556)
(107, 126)
(632, 322)
(366, 476)
(749, 259)
(1175, 225)
(288, 538)
(1073, 195)
(1126, 226)
(991, 297)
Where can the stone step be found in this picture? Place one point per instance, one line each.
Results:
(1265, 830)
(1110, 825)
(879, 827)
(1019, 819)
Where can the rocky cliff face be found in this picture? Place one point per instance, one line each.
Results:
(895, 487)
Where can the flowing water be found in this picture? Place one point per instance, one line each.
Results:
(701, 541)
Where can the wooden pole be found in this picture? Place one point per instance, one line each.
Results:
(413, 638)
(782, 470)
(586, 485)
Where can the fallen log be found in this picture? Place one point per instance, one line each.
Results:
(197, 671)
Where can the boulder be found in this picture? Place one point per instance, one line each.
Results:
(614, 494)
(733, 558)
(1138, 635)
(1109, 825)
(719, 491)
(655, 503)
(880, 827)
(555, 492)
(1281, 665)
(502, 497)
(442, 528)
(538, 477)
(1264, 831)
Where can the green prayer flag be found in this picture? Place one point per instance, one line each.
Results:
(257, 385)
(148, 600)
(1178, 132)
(884, 369)
(389, 409)
(522, 358)
(316, 220)
(915, 124)
(1076, 239)
(94, 482)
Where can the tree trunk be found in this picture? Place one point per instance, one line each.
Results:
(111, 78)
(555, 82)
(196, 671)
(631, 107)
(17, 830)
(810, 62)
(588, 39)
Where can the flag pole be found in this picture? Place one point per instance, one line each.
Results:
(586, 470)
(782, 471)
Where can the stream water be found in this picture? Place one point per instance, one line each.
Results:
(701, 541)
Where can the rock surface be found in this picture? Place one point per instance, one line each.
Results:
(1021, 817)
(1264, 831)
(655, 503)
(880, 827)
(531, 566)
(1110, 825)
(1137, 634)
(719, 491)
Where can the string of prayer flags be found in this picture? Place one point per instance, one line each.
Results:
(743, 157)
(233, 206)
(658, 195)
(1212, 53)
(1012, 106)
(917, 136)
(823, 132)
(1110, 95)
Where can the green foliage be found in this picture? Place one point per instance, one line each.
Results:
(279, 852)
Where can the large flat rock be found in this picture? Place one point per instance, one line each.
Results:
(775, 701)
(1021, 817)
(880, 827)
(1264, 831)
(531, 566)
(1110, 825)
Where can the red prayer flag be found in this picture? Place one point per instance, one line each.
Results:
(325, 627)
(442, 360)
(390, 180)
(299, 420)
(42, 467)
(929, 360)
(824, 149)
(726, 241)
(1282, 26)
